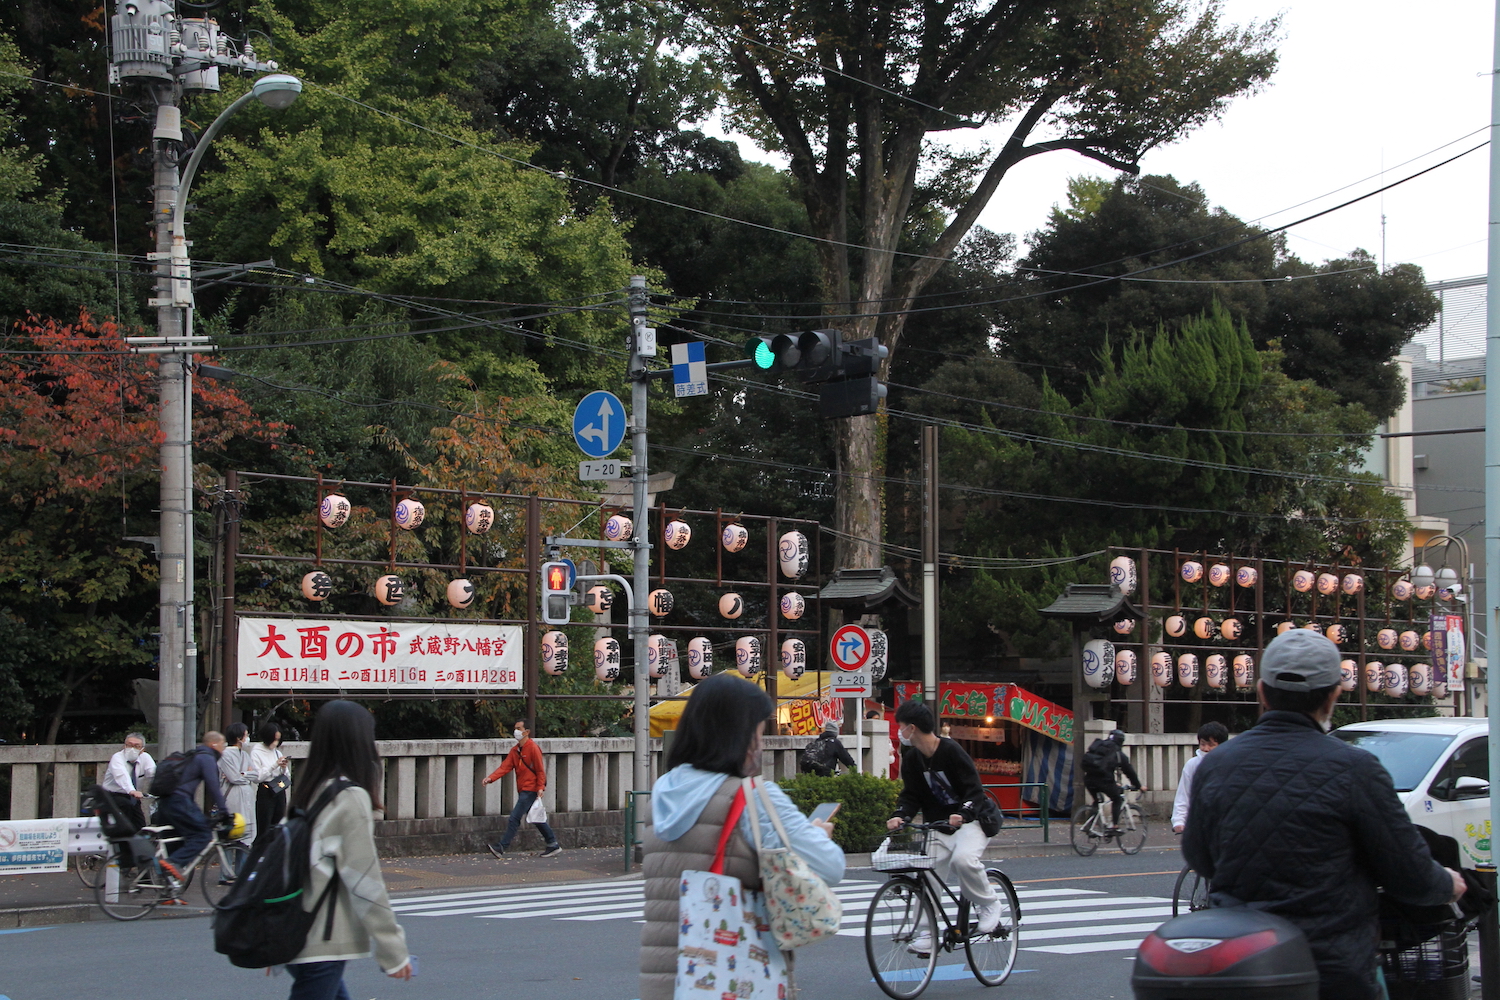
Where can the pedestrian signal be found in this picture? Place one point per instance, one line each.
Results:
(557, 595)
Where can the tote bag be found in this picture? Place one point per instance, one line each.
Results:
(803, 908)
(723, 948)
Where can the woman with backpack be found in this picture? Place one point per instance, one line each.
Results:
(343, 751)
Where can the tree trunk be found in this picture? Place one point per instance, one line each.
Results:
(859, 447)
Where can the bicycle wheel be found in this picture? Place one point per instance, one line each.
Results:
(89, 866)
(137, 891)
(992, 956)
(1132, 830)
(1082, 828)
(220, 868)
(1190, 893)
(900, 916)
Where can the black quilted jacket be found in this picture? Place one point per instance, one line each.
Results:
(1301, 824)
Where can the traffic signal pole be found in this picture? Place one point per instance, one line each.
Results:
(639, 629)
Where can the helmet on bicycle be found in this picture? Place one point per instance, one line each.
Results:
(1118, 735)
(236, 829)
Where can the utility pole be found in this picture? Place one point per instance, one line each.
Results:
(642, 346)
(929, 564)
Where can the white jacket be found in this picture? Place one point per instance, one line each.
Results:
(1185, 790)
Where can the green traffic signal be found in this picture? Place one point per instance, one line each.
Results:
(765, 358)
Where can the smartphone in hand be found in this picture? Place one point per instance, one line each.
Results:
(826, 811)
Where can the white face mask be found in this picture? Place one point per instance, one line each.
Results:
(132, 754)
(903, 738)
(519, 734)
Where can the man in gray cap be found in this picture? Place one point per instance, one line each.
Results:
(1296, 823)
(819, 756)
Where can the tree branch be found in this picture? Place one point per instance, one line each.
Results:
(1080, 146)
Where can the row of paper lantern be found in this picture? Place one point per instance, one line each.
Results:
(1122, 573)
(1175, 627)
(793, 551)
(389, 590)
(334, 511)
(662, 656)
(660, 602)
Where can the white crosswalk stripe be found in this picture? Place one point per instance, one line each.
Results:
(1062, 921)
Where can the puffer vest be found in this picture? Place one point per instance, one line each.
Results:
(663, 865)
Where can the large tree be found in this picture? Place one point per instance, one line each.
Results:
(862, 98)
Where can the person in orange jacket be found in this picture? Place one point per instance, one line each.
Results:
(531, 781)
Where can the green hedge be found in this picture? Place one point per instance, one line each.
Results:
(867, 802)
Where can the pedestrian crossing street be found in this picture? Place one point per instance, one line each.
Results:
(1060, 921)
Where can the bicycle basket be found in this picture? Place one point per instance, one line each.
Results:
(903, 850)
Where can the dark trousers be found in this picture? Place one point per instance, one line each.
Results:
(184, 816)
(270, 807)
(1111, 789)
(129, 806)
(318, 981)
(523, 805)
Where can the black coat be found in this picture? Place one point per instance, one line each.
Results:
(1304, 825)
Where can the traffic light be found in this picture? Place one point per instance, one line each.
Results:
(845, 370)
(812, 353)
(557, 595)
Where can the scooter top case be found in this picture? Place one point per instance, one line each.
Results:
(1231, 953)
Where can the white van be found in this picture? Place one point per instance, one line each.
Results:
(1441, 769)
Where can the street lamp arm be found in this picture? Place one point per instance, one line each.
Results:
(188, 172)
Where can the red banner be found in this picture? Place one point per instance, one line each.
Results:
(996, 701)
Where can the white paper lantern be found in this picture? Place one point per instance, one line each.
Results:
(333, 511)
(659, 656)
(792, 605)
(1375, 676)
(1348, 675)
(1395, 680)
(1409, 641)
(555, 653)
(461, 594)
(1231, 629)
(660, 602)
(1246, 576)
(1219, 574)
(1192, 572)
(1216, 671)
(678, 534)
(1124, 626)
(317, 586)
(479, 518)
(880, 654)
(1387, 638)
(1122, 574)
(735, 536)
(1337, 634)
(747, 655)
(731, 605)
(389, 590)
(1424, 592)
(1244, 671)
(1175, 626)
(1283, 627)
(1098, 663)
(1328, 584)
(410, 514)
(1161, 669)
(607, 659)
(1187, 670)
(793, 554)
(1205, 628)
(1419, 677)
(1302, 581)
(1125, 667)
(599, 599)
(1353, 583)
(1439, 687)
(700, 658)
(618, 528)
(793, 658)
(1402, 590)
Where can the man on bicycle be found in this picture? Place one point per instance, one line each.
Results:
(1293, 822)
(1100, 763)
(1210, 735)
(940, 780)
(182, 813)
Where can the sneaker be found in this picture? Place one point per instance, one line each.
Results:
(989, 917)
(498, 850)
(172, 871)
(173, 901)
(553, 851)
(921, 944)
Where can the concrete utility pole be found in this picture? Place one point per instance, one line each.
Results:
(642, 346)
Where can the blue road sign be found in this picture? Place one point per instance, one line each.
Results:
(599, 424)
(689, 369)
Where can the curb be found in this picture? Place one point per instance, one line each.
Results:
(16, 918)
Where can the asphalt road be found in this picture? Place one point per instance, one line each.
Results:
(562, 942)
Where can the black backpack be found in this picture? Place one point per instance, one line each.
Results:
(816, 758)
(1099, 759)
(168, 776)
(261, 921)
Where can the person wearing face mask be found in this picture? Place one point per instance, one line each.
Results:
(237, 777)
(130, 770)
(525, 758)
(273, 777)
(1294, 822)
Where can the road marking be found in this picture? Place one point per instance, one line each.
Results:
(1086, 946)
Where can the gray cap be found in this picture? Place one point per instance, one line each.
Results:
(830, 726)
(1300, 660)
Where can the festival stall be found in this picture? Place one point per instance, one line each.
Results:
(802, 706)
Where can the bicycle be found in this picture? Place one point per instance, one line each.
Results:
(141, 883)
(1090, 825)
(1190, 894)
(904, 913)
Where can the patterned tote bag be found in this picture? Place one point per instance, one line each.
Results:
(803, 908)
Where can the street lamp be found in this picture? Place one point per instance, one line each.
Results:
(1451, 584)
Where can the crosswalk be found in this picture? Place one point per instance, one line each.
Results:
(1059, 921)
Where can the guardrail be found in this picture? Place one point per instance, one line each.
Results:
(1021, 808)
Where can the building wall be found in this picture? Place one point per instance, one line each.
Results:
(1453, 460)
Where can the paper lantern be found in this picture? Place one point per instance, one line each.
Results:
(792, 554)
(1175, 626)
(1353, 583)
(1409, 641)
(735, 536)
(1125, 626)
(1282, 627)
(658, 656)
(1218, 574)
(317, 586)
(1328, 584)
(1439, 687)
(700, 658)
(678, 534)
(599, 599)
(1348, 675)
(1161, 669)
(1216, 671)
(618, 528)
(1375, 676)
(731, 605)
(1386, 638)
(1336, 634)
(1419, 677)
(1402, 590)
(461, 594)
(747, 655)
(793, 658)
(1192, 572)
(410, 514)
(1231, 629)
(1424, 592)
(333, 511)
(1204, 628)
(880, 654)
(555, 653)
(1313, 627)
(792, 605)
(1302, 581)
(1244, 671)
(389, 590)
(666, 654)
(607, 659)
(1395, 680)
(1122, 574)
(1246, 576)
(1427, 640)
(1187, 669)
(660, 602)
(1447, 593)
(1098, 663)
(479, 518)
(1125, 667)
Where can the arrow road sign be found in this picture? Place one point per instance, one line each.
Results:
(850, 648)
(599, 424)
(857, 684)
